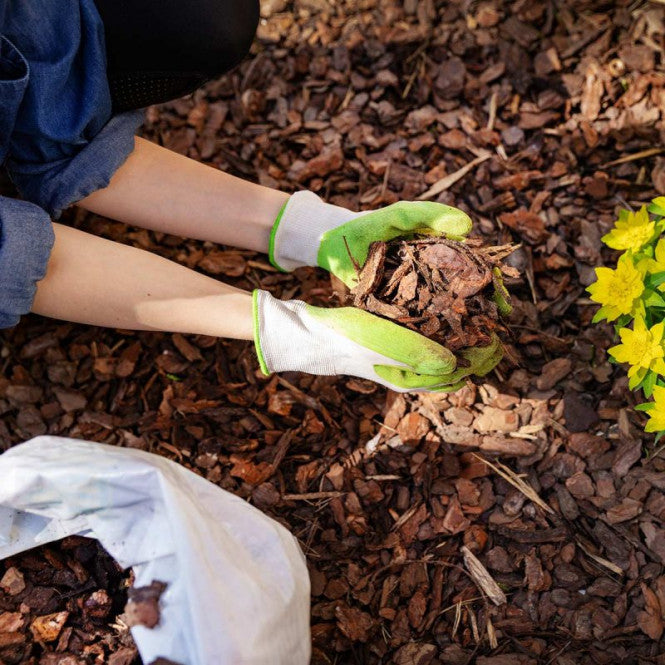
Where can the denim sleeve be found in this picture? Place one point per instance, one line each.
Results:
(26, 232)
(56, 185)
(65, 144)
(26, 240)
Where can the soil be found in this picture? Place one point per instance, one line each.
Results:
(518, 521)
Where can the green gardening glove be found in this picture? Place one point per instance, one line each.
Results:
(309, 232)
(291, 335)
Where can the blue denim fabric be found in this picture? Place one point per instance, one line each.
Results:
(58, 184)
(26, 239)
(57, 136)
(13, 82)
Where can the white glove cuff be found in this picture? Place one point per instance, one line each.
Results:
(287, 338)
(284, 338)
(296, 235)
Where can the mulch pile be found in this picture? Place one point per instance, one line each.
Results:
(539, 119)
(443, 289)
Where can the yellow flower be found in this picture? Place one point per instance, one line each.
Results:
(656, 421)
(631, 232)
(618, 291)
(642, 348)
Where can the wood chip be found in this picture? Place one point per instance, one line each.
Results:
(482, 577)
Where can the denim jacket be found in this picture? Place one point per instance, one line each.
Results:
(58, 138)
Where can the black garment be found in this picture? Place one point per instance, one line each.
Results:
(162, 49)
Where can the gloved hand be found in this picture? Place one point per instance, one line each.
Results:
(292, 335)
(310, 232)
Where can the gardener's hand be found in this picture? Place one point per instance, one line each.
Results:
(291, 335)
(309, 232)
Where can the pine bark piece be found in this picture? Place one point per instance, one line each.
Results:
(47, 628)
(11, 639)
(10, 622)
(416, 654)
(553, 535)
(123, 656)
(98, 605)
(143, 606)
(372, 270)
(465, 276)
(650, 620)
(12, 582)
(553, 372)
(354, 623)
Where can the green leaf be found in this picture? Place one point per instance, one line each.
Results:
(653, 299)
(645, 407)
(173, 377)
(637, 380)
(657, 206)
(652, 281)
(623, 215)
(623, 321)
(648, 383)
(501, 296)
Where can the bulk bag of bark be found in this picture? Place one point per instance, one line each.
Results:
(237, 588)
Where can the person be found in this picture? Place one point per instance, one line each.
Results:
(73, 75)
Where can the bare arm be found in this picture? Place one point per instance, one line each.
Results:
(161, 190)
(103, 283)
(99, 282)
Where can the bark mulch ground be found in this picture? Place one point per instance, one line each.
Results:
(521, 520)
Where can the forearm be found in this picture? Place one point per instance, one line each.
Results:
(161, 190)
(99, 282)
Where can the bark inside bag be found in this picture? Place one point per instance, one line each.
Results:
(67, 602)
(60, 604)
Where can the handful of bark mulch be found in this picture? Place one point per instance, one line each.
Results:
(449, 291)
(66, 603)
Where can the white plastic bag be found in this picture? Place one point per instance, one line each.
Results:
(238, 587)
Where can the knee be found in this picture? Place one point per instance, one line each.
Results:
(231, 28)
